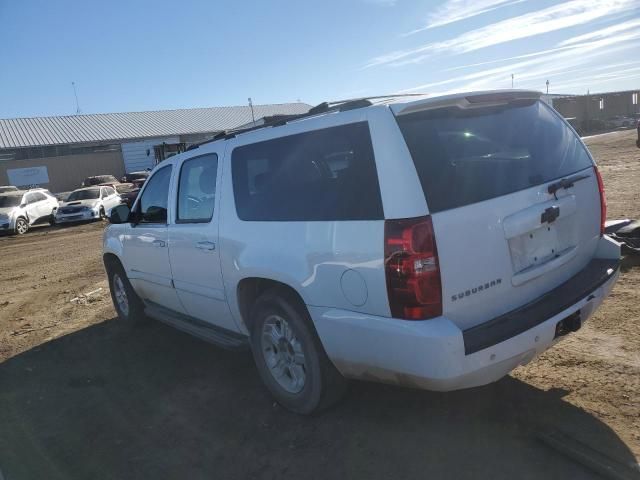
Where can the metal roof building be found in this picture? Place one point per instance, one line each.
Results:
(44, 131)
(59, 152)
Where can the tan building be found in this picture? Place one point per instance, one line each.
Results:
(57, 153)
(599, 110)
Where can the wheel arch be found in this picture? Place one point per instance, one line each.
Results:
(249, 289)
(111, 260)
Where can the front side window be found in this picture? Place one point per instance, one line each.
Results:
(30, 198)
(155, 198)
(322, 175)
(38, 197)
(197, 189)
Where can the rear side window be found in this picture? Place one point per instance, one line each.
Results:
(322, 175)
(467, 156)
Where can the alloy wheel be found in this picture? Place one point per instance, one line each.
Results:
(283, 354)
(120, 293)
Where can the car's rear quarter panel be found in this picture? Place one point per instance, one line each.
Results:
(329, 263)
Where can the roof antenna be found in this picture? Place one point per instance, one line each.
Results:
(253, 117)
(73, 84)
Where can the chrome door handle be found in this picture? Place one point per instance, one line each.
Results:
(159, 243)
(206, 246)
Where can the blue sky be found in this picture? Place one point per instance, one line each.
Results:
(150, 55)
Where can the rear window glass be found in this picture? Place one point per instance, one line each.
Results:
(467, 156)
(326, 174)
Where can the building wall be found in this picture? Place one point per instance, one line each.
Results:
(140, 155)
(67, 172)
(587, 107)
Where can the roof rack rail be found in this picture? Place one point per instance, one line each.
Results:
(279, 120)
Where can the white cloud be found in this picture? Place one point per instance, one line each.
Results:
(586, 61)
(455, 10)
(602, 33)
(557, 17)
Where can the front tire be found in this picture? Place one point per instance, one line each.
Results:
(22, 226)
(289, 356)
(128, 305)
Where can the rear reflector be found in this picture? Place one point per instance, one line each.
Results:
(412, 269)
(603, 201)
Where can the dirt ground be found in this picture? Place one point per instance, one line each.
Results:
(84, 396)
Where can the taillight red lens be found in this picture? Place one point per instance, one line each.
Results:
(412, 269)
(603, 201)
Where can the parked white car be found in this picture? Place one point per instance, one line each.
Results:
(21, 209)
(91, 203)
(432, 242)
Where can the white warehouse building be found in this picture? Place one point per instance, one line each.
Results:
(57, 153)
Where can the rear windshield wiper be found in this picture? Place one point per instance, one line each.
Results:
(565, 183)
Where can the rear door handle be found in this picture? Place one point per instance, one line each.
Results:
(159, 243)
(206, 246)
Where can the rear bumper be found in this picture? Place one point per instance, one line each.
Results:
(437, 355)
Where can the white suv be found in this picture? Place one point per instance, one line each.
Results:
(22, 209)
(436, 242)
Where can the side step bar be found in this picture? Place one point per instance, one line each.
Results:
(218, 336)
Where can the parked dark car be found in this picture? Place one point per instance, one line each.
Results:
(128, 192)
(99, 180)
(133, 177)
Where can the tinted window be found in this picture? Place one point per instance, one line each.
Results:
(197, 189)
(153, 203)
(38, 196)
(84, 195)
(327, 174)
(10, 201)
(466, 156)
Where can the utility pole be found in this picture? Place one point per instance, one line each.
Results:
(73, 84)
(253, 117)
(512, 80)
(547, 87)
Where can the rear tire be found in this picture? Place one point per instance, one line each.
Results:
(22, 226)
(52, 218)
(126, 302)
(103, 215)
(289, 355)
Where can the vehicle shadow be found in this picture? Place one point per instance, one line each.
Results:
(112, 401)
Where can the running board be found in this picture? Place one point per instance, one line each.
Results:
(218, 336)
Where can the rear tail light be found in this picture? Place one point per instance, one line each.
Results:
(603, 201)
(412, 269)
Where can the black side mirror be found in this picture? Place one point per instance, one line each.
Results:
(119, 214)
(156, 215)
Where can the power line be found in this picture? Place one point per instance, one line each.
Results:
(75, 93)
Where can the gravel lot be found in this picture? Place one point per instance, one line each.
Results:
(83, 396)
